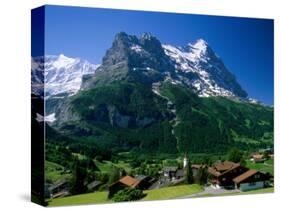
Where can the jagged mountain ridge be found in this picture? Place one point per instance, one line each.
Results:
(147, 61)
(144, 60)
(211, 77)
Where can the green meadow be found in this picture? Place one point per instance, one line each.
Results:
(101, 197)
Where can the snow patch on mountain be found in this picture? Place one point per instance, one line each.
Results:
(61, 74)
(49, 118)
(137, 48)
(207, 73)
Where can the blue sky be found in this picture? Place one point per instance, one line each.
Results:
(244, 44)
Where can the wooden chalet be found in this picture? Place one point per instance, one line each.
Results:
(223, 173)
(258, 158)
(59, 189)
(145, 181)
(251, 179)
(140, 182)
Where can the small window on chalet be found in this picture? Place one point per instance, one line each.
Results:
(252, 183)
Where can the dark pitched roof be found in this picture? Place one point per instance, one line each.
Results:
(180, 173)
(58, 184)
(141, 177)
(212, 171)
(245, 175)
(93, 184)
(198, 166)
(226, 165)
(222, 168)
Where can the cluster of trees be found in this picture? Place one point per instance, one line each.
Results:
(128, 194)
(237, 156)
(83, 172)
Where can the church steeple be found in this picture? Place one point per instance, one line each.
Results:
(185, 161)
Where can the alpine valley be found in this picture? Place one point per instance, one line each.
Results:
(147, 98)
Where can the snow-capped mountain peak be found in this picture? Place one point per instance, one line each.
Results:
(198, 49)
(200, 45)
(62, 61)
(61, 74)
(209, 75)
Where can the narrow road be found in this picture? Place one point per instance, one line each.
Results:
(211, 191)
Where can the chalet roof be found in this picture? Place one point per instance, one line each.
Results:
(212, 171)
(245, 175)
(226, 165)
(222, 168)
(129, 181)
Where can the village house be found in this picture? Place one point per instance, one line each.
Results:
(140, 182)
(170, 172)
(145, 181)
(223, 173)
(180, 173)
(173, 173)
(257, 158)
(251, 179)
(59, 189)
(196, 167)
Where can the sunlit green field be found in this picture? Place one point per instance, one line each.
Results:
(101, 197)
(259, 191)
(268, 166)
(91, 198)
(172, 192)
(107, 166)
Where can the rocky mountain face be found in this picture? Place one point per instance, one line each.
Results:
(62, 75)
(207, 73)
(146, 60)
(132, 59)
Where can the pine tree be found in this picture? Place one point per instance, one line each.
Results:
(78, 179)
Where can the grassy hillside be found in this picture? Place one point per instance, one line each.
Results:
(266, 167)
(172, 192)
(214, 124)
(91, 198)
(55, 172)
(101, 197)
(126, 117)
